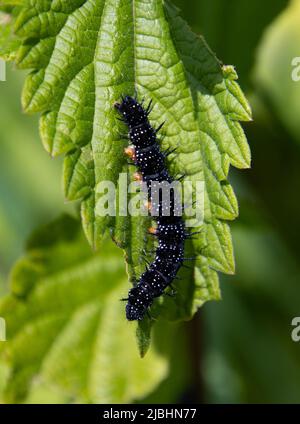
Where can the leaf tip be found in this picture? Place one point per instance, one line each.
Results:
(143, 335)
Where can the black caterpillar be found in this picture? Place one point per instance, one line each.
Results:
(170, 231)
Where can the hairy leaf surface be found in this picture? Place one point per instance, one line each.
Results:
(84, 54)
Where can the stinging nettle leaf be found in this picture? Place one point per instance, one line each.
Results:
(66, 333)
(84, 55)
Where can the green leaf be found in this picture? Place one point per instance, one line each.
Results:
(67, 338)
(277, 70)
(84, 56)
(221, 21)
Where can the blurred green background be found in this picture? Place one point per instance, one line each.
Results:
(240, 349)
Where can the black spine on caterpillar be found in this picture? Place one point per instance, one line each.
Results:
(170, 231)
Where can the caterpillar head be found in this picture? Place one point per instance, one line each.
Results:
(132, 112)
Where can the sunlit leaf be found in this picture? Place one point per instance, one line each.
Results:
(67, 336)
(84, 56)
